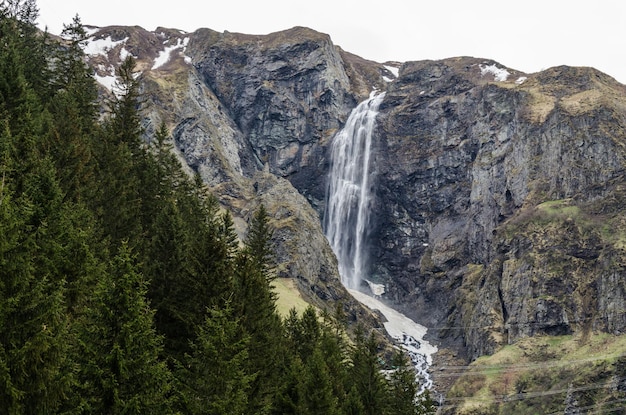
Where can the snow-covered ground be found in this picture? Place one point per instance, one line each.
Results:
(395, 71)
(165, 54)
(499, 74)
(101, 46)
(409, 334)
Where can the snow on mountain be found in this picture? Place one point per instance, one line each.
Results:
(165, 55)
(101, 46)
(499, 74)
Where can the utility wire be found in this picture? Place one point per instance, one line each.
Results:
(514, 367)
(539, 394)
(532, 395)
(508, 325)
(603, 410)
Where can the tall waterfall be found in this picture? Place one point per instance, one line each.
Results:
(345, 224)
(348, 198)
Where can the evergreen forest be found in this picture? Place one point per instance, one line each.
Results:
(124, 288)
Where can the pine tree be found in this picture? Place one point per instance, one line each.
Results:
(403, 386)
(287, 398)
(19, 32)
(261, 322)
(72, 74)
(119, 154)
(353, 405)
(166, 263)
(74, 112)
(335, 351)
(33, 322)
(214, 376)
(121, 372)
(257, 306)
(258, 243)
(126, 121)
(366, 375)
(316, 387)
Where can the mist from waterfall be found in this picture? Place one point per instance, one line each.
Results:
(348, 199)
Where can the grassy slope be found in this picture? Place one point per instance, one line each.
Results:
(534, 377)
(288, 297)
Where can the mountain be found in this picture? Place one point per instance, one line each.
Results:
(498, 214)
(219, 130)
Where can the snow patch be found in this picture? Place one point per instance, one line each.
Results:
(96, 47)
(499, 74)
(124, 54)
(377, 289)
(107, 81)
(408, 333)
(91, 30)
(387, 79)
(395, 71)
(521, 80)
(397, 323)
(166, 54)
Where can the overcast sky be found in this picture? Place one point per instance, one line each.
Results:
(528, 35)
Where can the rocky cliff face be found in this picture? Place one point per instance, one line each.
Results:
(245, 112)
(288, 93)
(500, 214)
(498, 209)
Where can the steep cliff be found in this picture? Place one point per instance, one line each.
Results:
(245, 112)
(501, 216)
(498, 211)
(288, 93)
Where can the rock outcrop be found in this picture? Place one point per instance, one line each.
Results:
(245, 112)
(498, 211)
(499, 218)
(288, 93)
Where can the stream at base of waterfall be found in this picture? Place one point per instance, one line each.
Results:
(408, 334)
(346, 221)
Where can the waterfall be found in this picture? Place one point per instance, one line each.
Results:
(346, 221)
(348, 199)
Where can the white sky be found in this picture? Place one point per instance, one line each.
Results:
(528, 35)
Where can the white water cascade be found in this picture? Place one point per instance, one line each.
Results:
(346, 221)
(348, 197)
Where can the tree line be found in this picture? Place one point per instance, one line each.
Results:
(124, 288)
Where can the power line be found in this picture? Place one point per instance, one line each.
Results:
(508, 325)
(513, 367)
(497, 399)
(603, 410)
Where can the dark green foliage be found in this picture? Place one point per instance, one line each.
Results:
(366, 374)
(123, 285)
(21, 36)
(32, 314)
(404, 388)
(214, 377)
(120, 369)
(121, 159)
(74, 111)
(327, 375)
(316, 395)
(260, 321)
(258, 243)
